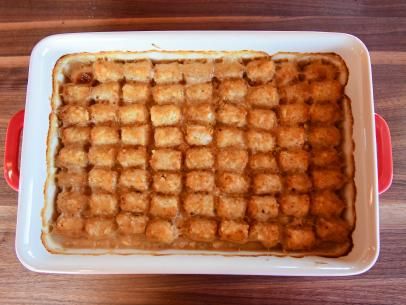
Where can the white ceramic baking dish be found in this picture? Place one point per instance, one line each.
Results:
(29, 247)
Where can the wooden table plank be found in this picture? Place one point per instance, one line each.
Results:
(380, 24)
(372, 288)
(12, 10)
(378, 33)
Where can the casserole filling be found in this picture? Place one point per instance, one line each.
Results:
(222, 152)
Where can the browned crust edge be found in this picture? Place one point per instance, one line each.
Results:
(334, 58)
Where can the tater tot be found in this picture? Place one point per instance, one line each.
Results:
(197, 72)
(129, 224)
(326, 204)
(233, 115)
(263, 161)
(199, 135)
(327, 179)
(75, 135)
(260, 70)
(201, 113)
(298, 182)
(263, 208)
(103, 156)
(164, 206)
(132, 114)
(293, 114)
(74, 115)
(267, 184)
(140, 71)
(104, 135)
(71, 226)
(260, 141)
(103, 204)
(103, 179)
(266, 233)
(233, 91)
(201, 229)
(168, 136)
(294, 205)
(99, 228)
(71, 179)
(291, 137)
(230, 137)
(167, 73)
(294, 160)
(228, 68)
(262, 119)
(325, 157)
(200, 181)
(231, 207)
(105, 71)
(263, 96)
(136, 93)
(160, 231)
(326, 91)
(299, 238)
(166, 159)
(72, 157)
(134, 202)
(286, 72)
(199, 204)
(165, 115)
(132, 157)
(335, 230)
(166, 94)
(199, 93)
(71, 203)
(137, 179)
(199, 158)
(297, 93)
(234, 231)
(234, 160)
(167, 183)
(106, 92)
(76, 94)
(324, 136)
(318, 70)
(135, 135)
(232, 183)
(328, 113)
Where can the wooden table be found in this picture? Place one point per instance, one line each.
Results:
(380, 24)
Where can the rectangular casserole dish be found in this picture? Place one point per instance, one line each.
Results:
(34, 256)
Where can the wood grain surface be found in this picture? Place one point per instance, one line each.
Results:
(381, 24)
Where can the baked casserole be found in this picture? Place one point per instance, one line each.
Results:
(225, 151)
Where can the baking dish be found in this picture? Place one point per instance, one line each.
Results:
(33, 165)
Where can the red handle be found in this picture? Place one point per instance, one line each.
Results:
(12, 147)
(384, 147)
